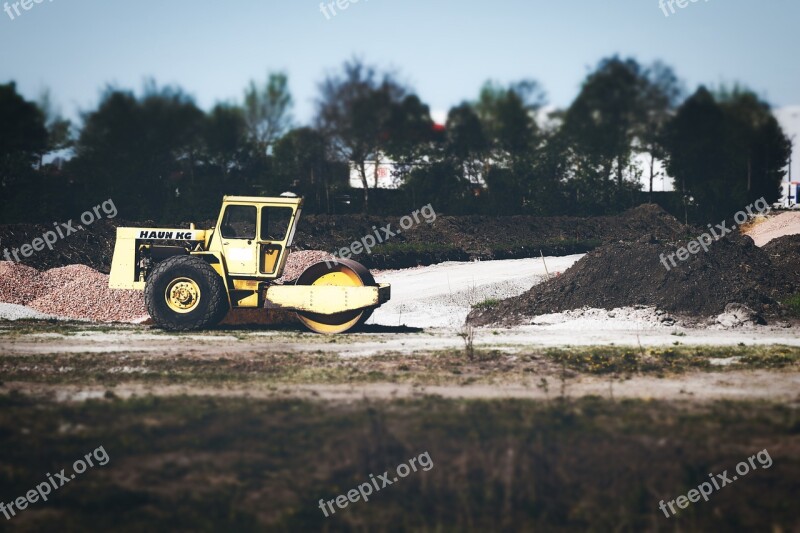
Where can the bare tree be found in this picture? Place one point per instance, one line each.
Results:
(355, 112)
(267, 110)
(662, 91)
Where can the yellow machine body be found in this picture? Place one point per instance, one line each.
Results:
(248, 248)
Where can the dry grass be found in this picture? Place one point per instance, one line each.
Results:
(202, 464)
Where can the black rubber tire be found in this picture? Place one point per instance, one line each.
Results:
(211, 308)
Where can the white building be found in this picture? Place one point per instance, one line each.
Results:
(380, 176)
(789, 192)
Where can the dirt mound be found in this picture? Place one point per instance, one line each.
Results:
(785, 255)
(648, 219)
(479, 237)
(91, 245)
(448, 238)
(734, 270)
(774, 227)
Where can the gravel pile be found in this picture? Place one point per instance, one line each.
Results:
(81, 292)
(19, 284)
(75, 291)
(300, 260)
(57, 278)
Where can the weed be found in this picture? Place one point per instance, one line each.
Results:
(793, 305)
(486, 304)
(467, 333)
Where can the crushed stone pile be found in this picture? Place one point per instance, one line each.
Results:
(774, 227)
(300, 260)
(81, 292)
(19, 284)
(74, 291)
(734, 270)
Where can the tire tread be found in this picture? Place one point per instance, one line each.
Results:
(214, 310)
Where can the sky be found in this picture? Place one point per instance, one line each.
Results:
(444, 49)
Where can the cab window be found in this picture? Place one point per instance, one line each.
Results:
(275, 223)
(239, 222)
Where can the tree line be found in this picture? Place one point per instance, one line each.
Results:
(162, 158)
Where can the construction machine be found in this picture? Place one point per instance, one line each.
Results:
(192, 277)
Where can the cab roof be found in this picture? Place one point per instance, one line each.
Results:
(264, 200)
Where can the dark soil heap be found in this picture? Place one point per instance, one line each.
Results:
(784, 252)
(734, 270)
(92, 245)
(448, 238)
(465, 238)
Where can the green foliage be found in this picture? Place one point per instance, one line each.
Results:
(162, 158)
(23, 140)
(620, 359)
(620, 105)
(486, 304)
(356, 113)
(793, 304)
(726, 153)
(301, 166)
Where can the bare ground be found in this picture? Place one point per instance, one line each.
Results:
(532, 362)
(247, 430)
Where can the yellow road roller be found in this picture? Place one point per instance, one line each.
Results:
(192, 277)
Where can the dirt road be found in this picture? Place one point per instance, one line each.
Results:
(529, 362)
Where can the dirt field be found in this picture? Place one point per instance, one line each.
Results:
(579, 420)
(81, 362)
(250, 428)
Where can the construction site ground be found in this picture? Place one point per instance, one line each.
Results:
(572, 421)
(79, 361)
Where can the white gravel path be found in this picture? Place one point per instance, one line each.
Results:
(442, 295)
(20, 312)
(775, 226)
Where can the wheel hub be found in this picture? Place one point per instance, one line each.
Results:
(182, 295)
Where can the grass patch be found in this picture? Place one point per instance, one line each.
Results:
(415, 247)
(444, 367)
(678, 359)
(793, 305)
(486, 304)
(553, 243)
